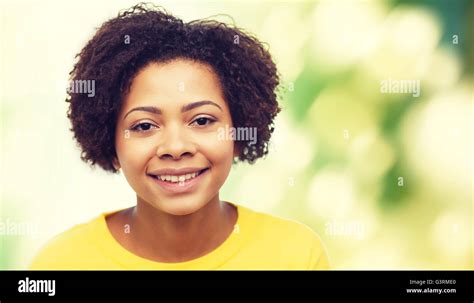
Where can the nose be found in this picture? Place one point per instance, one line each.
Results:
(175, 144)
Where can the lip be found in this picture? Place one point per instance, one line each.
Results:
(179, 187)
(176, 171)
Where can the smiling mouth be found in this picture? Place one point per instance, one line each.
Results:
(178, 178)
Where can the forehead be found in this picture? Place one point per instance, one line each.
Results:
(174, 83)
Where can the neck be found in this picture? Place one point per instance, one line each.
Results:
(171, 238)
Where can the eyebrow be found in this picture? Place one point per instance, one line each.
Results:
(155, 110)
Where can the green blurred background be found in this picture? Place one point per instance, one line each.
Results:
(386, 179)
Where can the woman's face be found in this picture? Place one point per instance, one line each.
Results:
(167, 137)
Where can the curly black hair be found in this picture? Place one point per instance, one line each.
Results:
(147, 33)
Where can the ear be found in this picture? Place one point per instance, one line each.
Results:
(236, 149)
(116, 163)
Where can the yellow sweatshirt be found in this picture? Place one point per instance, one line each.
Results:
(259, 242)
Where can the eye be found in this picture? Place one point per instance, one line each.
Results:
(203, 121)
(142, 127)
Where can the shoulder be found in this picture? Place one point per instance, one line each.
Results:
(72, 244)
(291, 239)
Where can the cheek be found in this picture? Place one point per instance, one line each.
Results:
(217, 151)
(133, 155)
(220, 154)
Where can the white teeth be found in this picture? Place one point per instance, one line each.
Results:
(180, 178)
